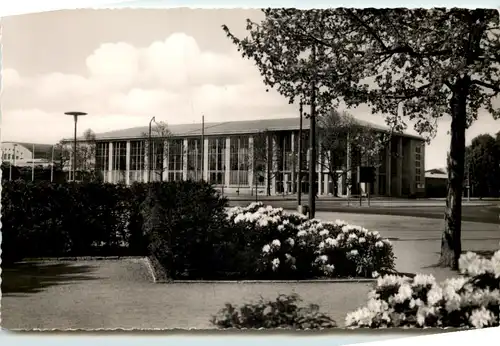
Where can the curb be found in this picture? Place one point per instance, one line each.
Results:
(309, 281)
(80, 258)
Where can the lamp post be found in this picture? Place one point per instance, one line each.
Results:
(149, 150)
(75, 116)
(52, 166)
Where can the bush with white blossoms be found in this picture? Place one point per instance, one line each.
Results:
(469, 301)
(294, 247)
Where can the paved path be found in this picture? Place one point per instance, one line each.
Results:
(117, 294)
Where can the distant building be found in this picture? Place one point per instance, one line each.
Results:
(436, 181)
(26, 154)
(121, 157)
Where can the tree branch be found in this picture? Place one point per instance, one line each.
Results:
(495, 88)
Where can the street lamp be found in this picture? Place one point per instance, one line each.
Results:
(75, 116)
(149, 150)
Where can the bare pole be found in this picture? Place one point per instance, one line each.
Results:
(202, 146)
(75, 116)
(150, 161)
(33, 165)
(299, 177)
(312, 145)
(52, 166)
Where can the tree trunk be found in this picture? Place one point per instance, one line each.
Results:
(451, 247)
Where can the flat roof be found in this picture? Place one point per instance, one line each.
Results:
(226, 128)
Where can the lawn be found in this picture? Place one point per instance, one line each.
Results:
(121, 294)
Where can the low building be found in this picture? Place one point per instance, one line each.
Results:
(227, 157)
(26, 154)
(436, 181)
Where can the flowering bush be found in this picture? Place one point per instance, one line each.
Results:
(294, 247)
(281, 313)
(472, 300)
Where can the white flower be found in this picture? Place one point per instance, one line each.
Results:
(423, 280)
(404, 293)
(379, 244)
(276, 243)
(391, 280)
(276, 263)
(331, 242)
(362, 240)
(352, 236)
(301, 233)
(266, 248)
(322, 258)
(375, 274)
(290, 258)
(480, 318)
(321, 245)
(324, 232)
(281, 227)
(290, 241)
(435, 295)
(354, 252)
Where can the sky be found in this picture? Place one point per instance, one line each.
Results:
(124, 66)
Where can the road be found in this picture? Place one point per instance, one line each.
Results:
(475, 211)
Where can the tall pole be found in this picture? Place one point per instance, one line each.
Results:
(299, 178)
(33, 165)
(75, 116)
(312, 145)
(202, 146)
(150, 161)
(52, 166)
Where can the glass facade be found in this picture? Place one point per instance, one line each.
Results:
(217, 161)
(239, 160)
(137, 166)
(194, 157)
(175, 159)
(119, 162)
(102, 160)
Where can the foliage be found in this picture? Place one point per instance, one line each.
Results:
(471, 301)
(292, 247)
(159, 133)
(339, 130)
(416, 64)
(86, 151)
(183, 221)
(281, 313)
(483, 166)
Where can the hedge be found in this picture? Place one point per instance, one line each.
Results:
(43, 219)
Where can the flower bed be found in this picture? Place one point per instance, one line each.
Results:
(291, 246)
(470, 301)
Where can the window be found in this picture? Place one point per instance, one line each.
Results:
(175, 159)
(137, 153)
(238, 160)
(418, 163)
(102, 160)
(216, 160)
(194, 157)
(157, 151)
(119, 163)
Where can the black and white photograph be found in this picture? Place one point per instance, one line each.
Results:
(220, 169)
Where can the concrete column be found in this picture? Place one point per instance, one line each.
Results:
(205, 159)
(227, 173)
(127, 164)
(274, 162)
(400, 167)
(348, 169)
(110, 163)
(165, 160)
(251, 181)
(388, 174)
(294, 164)
(145, 176)
(185, 159)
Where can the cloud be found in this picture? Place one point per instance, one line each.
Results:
(173, 80)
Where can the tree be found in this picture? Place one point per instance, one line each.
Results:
(483, 166)
(263, 162)
(159, 134)
(337, 131)
(85, 149)
(417, 65)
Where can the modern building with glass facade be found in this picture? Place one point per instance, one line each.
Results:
(229, 157)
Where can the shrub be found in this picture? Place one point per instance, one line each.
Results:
(472, 300)
(290, 246)
(184, 221)
(281, 313)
